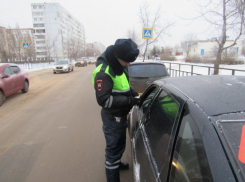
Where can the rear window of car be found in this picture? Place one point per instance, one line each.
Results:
(147, 70)
(234, 135)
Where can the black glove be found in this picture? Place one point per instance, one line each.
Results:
(132, 101)
(133, 92)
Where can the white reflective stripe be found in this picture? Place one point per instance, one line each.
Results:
(121, 91)
(112, 163)
(111, 99)
(107, 102)
(113, 167)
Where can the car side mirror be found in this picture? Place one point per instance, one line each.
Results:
(5, 76)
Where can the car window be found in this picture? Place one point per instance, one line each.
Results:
(233, 134)
(159, 125)
(147, 70)
(7, 71)
(15, 69)
(147, 99)
(190, 161)
(62, 62)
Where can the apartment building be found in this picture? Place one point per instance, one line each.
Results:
(54, 27)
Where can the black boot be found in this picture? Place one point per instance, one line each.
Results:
(124, 165)
(112, 175)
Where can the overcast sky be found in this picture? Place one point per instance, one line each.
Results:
(107, 20)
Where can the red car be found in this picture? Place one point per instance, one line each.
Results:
(13, 79)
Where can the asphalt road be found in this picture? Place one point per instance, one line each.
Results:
(54, 132)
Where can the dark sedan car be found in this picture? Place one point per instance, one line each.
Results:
(13, 79)
(81, 62)
(142, 74)
(190, 129)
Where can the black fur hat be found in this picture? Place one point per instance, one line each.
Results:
(126, 50)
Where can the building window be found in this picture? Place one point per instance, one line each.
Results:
(40, 31)
(41, 48)
(40, 36)
(38, 25)
(40, 42)
(37, 13)
(34, 7)
(41, 53)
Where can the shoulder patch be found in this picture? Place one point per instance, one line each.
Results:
(99, 85)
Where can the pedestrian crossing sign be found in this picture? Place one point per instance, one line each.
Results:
(25, 45)
(147, 33)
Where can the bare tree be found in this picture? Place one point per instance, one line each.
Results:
(74, 47)
(26, 37)
(3, 44)
(98, 48)
(51, 47)
(134, 36)
(11, 44)
(225, 17)
(18, 39)
(159, 26)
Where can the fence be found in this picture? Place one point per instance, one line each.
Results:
(185, 69)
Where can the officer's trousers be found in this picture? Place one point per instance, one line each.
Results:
(115, 134)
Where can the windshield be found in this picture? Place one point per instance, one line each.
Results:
(62, 62)
(147, 70)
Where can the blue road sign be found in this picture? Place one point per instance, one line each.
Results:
(26, 45)
(147, 33)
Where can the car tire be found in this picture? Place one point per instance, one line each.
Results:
(54, 72)
(2, 98)
(25, 88)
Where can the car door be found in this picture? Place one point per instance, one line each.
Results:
(9, 83)
(158, 129)
(142, 166)
(198, 154)
(19, 79)
(190, 161)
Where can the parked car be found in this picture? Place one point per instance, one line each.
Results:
(13, 79)
(81, 62)
(190, 129)
(142, 74)
(63, 65)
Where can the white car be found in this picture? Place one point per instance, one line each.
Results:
(63, 65)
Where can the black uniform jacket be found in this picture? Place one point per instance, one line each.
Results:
(115, 103)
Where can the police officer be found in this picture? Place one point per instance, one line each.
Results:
(116, 97)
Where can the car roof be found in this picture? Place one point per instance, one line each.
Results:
(214, 94)
(11, 64)
(145, 62)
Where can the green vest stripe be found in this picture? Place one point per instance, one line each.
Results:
(120, 83)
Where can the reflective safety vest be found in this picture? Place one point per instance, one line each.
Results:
(120, 83)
